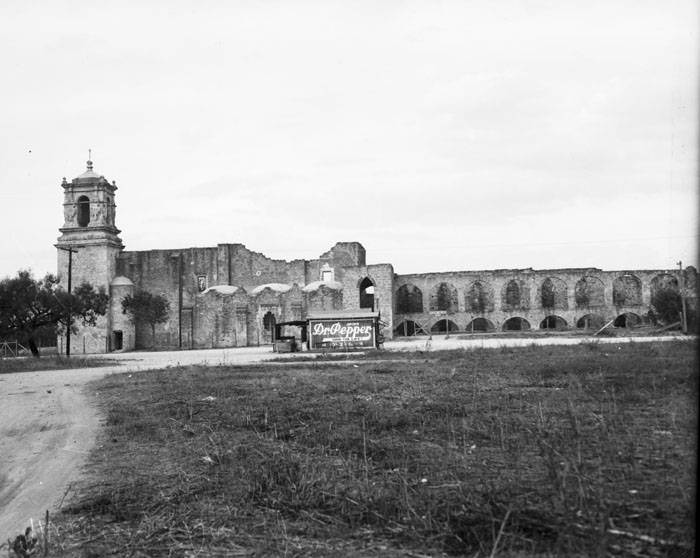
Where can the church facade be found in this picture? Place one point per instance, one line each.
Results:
(231, 296)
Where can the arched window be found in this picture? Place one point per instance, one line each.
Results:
(627, 290)
(83, 211)
(479, 298)
(444, 298)
(409, 300)
(367, 293)
(512, 298)
(589, 292)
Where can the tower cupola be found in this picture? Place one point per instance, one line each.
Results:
(89, 210)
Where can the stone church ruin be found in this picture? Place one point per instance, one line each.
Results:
(231, 296)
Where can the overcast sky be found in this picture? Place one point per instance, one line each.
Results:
(441, 135)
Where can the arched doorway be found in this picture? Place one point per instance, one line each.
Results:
(553, 322)
(367, 293)
(444, 326)
(516, 324)
(628, 319)
(268, 331)
(590, 321)
(407, 328)
(479, 325)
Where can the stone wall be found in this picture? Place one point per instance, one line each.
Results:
(568, 296)
(220, 319)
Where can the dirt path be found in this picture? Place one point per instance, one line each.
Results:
(48, 426)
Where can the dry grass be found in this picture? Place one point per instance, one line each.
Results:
(31, 364)
(584, 450)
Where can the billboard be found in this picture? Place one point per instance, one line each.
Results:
(342, 333)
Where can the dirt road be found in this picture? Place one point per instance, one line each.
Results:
(48, 424)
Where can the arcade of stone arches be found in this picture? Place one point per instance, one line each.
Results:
(481, 306)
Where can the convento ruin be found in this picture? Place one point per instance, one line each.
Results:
(230, 296)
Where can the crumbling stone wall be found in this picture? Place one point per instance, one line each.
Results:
(324, 299)
(575, 297)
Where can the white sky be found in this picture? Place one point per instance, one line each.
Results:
(441, 135)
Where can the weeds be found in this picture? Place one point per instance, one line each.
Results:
(31, 364)
(565, 450)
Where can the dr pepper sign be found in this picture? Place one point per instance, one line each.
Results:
(342, 333)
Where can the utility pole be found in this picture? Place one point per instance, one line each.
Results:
(684, 317)
(70, 251)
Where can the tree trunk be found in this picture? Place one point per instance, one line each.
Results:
(153, 336)
(33, 348)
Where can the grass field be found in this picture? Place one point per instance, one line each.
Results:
(31, 364)
(585, 450)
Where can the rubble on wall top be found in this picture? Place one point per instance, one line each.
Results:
(223, 289)
(315, 285)
(279, 287)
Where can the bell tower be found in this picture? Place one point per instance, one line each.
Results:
(89, 244)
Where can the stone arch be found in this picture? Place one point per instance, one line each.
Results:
(553, 322)
(269, 321)
(553, 294)
(589, 292)
(516, 323)
(628, 319)
(83, 211)
(590, 321)
(409, 299)
(366, 287)
(408, 328)
(480, 325)
(663, 282)
(443, 297)
(479, 298)
(627, 290)
(514, 295)
(443, 325)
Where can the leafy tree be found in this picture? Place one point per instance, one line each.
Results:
(29, 307)
(146, 308)
(667, 304)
